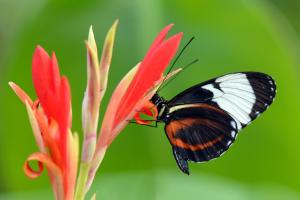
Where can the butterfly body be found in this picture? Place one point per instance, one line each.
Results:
(202, 122)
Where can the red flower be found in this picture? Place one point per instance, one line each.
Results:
(51, 118)
(52, 90)
(134, 92)
(150, 71)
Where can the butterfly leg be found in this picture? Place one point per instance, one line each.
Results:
(153, 126)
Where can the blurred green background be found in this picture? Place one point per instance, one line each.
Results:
(231, 36)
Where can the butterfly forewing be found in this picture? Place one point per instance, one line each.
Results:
(205, 118)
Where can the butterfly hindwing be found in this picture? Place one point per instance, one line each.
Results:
(199, 133)
(205, 118)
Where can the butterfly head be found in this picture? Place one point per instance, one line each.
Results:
(161, 105)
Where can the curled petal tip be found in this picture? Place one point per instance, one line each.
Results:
(42, 159)
(45, 160)
(32, 173)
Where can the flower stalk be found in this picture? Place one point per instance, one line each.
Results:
(96, 87)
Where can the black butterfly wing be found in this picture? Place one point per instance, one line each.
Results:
(199, 133)
(205, 118)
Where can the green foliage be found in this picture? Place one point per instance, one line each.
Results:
(231, 36)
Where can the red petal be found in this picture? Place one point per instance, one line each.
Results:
(158, 40)
(40, 67)
(52, 90)
(149, 72)
(54, 73)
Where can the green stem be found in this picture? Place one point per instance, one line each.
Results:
(81, 181)
(88, 149)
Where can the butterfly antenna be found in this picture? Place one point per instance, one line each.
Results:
(183, 68)
(175, 61)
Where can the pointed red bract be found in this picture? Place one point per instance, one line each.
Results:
(51, 118)
(150, 71)
(52, 90)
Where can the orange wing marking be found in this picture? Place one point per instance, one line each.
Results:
(175, 126)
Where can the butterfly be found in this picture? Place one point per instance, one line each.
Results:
(203, 121)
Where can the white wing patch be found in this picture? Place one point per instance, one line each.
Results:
(235, 95)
